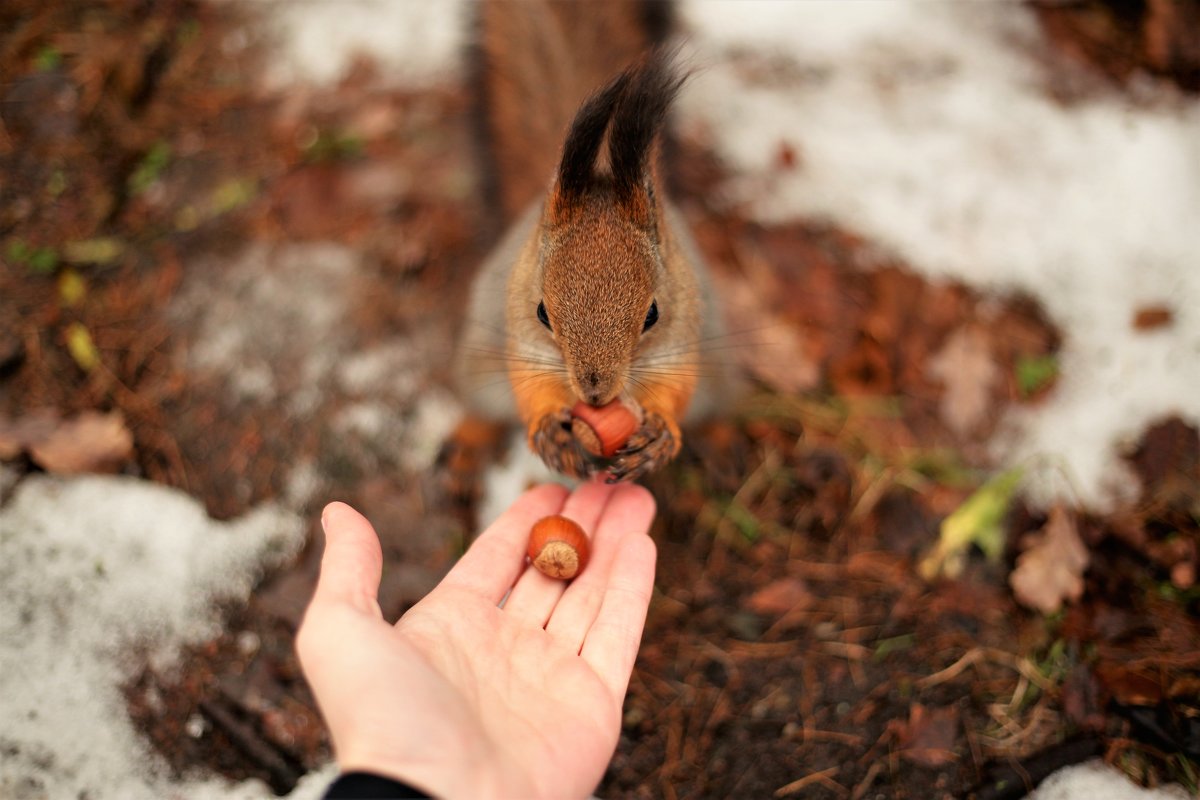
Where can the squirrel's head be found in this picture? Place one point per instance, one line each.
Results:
(604, 284)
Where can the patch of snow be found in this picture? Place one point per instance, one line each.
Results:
(96, 574)
(368, 420)
(304, 481)
(928, 128)
(389, 368)
(433, 420)
(274, 305)
(414, 42)
(1095, 780)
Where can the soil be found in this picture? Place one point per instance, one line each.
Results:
(793, 647)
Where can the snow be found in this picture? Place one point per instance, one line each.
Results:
(96, 575)
(295, 349)
(415, 41)
(929, 128)
(1095, 780)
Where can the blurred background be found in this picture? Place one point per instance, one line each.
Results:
(947, 545)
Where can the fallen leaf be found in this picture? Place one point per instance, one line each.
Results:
(1131, 685)
(91, 442)
(786, 157)
(929, 736)
(779, 597)
(1051, 568)
(82, 348)
(102, 250)
(966, 367)
(864, 371)
(71, 287)
(1148, 318)
(978, 521)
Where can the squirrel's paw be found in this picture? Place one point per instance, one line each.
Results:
(554, 443)
(648, 450)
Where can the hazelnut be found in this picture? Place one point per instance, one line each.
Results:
(603, 430)
(558, 547)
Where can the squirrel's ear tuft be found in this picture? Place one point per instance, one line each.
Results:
(641, 110)
(577, 170)
(630, 110)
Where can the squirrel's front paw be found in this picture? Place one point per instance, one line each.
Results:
(557, 446)
(648, 449)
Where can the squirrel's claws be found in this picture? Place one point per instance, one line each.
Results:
(554, 443)
(647, 450)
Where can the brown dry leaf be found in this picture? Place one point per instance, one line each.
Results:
(781, 596)
(929, 736)
(1148, 318)
(966, 367)
(1131, 685)
(91, 442)
(1051, 568)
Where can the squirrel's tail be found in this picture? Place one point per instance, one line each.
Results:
(534, 62)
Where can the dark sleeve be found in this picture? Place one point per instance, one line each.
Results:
(365, 786)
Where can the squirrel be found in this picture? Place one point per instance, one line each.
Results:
(596, 292)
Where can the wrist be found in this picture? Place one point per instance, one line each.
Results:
(456, 772)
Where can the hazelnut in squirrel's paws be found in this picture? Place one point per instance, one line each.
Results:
(611, 440)
(603, 430)
(623, 446)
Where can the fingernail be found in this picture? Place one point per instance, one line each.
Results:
(326, 514)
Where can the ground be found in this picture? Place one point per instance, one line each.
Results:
(260, 289)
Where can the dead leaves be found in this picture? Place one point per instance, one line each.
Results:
(967, 368)
(90, 442)
(929, 736)
(780, 597)
(1052, 566)
(1048, 572)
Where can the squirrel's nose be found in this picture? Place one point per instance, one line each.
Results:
(593, 389)
(597, 386)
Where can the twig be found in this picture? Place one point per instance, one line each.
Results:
(259, 750)
(867, 782)
(976, 654)
(824, 777)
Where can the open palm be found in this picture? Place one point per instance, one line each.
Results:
(463, 697)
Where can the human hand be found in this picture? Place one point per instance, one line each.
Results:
(463, 698)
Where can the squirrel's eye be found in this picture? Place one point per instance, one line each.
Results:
(543, 317)
(651, 316)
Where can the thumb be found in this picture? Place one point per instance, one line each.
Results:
(352, 563)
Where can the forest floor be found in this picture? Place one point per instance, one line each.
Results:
(251, 295)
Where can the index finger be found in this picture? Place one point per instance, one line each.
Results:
(492, 563)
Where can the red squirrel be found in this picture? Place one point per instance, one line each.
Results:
(596, 292)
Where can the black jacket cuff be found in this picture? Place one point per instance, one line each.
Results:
(365, 786)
